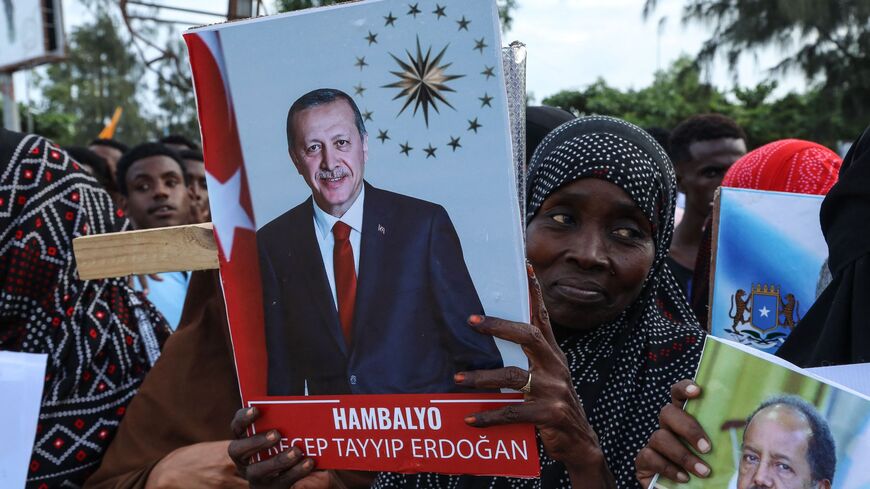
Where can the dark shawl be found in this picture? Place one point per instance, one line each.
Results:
(101, 337)
(836, 329)
(623, 370)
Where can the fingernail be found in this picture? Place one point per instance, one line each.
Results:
(250, 412)
(703, 445)
(692, 389)
(475, 319)
(272, 436)
(291, 455)
(682, 477)
(459, 378)
(308, 464)
(470, 420)
(701, 469)
(529, 267)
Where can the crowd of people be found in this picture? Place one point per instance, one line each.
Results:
(611, 375)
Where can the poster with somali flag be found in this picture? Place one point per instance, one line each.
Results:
(769, 255)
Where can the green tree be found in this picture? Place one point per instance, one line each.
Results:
(175, 96)
(99, 74)
(826, 41)
(679, 92)
(505, 7)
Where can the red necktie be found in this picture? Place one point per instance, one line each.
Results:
(345, 277)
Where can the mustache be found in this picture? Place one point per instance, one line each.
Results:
(338, 172)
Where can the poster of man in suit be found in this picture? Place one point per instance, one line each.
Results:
(364, 290)
(374, 170)
(364, 199)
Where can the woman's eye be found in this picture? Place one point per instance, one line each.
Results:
(562, 218)
(626, 233)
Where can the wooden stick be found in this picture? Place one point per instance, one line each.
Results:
(171, 249)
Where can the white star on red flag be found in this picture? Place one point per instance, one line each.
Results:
(233, 215)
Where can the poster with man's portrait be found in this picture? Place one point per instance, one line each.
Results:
(771, 424)
(364, 202)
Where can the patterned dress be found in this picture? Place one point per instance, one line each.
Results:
(101, 337)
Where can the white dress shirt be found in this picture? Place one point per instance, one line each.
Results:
(323, 223)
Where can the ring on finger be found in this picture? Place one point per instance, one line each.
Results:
(528, 387)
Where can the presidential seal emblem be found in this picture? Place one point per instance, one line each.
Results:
(764, 318)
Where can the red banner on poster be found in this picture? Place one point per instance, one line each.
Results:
(402, 433)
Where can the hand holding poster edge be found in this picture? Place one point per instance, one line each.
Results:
(551, 403)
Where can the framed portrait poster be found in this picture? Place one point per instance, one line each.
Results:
(364, 200)
(771, 424)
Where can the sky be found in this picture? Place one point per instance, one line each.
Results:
(570, 43)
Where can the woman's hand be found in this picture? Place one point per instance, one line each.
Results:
(551, 403)
(199, 466)
(281, 471)
(666, 453)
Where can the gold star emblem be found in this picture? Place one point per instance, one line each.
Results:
(423, 81)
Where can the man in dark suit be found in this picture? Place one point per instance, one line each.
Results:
(365, 291)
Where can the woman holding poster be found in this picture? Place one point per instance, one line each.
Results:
(611, 331)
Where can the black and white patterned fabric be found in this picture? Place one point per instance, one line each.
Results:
(622, 370)
(100, 336)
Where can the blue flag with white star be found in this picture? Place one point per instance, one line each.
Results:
(769, 255)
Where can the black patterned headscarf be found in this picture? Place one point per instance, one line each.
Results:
(622, 370)
(100, 336)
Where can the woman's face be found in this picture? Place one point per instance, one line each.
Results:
(592, 248)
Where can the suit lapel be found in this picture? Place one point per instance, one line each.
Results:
(308, 262)
(375, 227)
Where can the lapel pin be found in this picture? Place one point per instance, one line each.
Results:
(382, 230)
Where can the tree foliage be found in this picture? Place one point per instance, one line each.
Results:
(679, 92)
(827, 41)
(99, 74)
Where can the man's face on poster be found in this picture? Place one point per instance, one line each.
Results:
(774, 455)
(330, 154)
